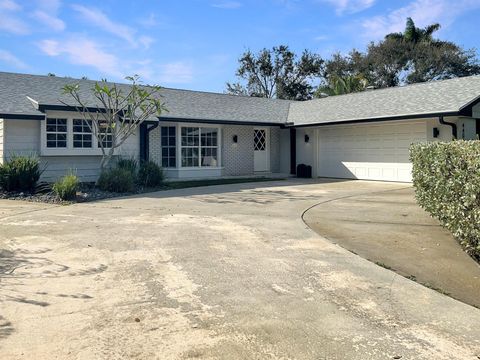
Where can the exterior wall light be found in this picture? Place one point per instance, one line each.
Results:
(235, 139)
(436, 132)
(307, 138)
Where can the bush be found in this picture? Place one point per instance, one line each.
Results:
(20, 173)
(116, 180)
(128, 164)
(446, 177)
(66, 188)
(150, 174)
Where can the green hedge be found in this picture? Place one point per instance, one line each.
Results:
(20, 173)
(446, 177)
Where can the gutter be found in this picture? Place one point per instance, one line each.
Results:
(145, 130)
(452, 125)
(381, 119)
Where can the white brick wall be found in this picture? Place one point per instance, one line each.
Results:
(238, 158)
(155, 151)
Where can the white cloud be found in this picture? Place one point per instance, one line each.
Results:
(10, 22)
(47, 14)
(350, 6)
(176, 73)
(9, 5)
(320, 38)
(52, 21)
(146, 41)
(149, 21)
(83, 51)
(10, 59)
(99, 19)
(227, 4)
(423, 12)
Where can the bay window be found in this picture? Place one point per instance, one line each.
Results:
(199, 147)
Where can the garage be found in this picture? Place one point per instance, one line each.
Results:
(376, 151)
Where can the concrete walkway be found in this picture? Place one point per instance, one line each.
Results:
(224, 272)
(390, 229)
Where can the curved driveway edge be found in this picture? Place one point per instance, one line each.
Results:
(223, 272)
(391, 230)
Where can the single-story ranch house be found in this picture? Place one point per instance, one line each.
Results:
(360, 136)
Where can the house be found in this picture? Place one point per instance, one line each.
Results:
(361, 136)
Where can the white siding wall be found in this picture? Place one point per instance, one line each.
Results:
(284, 151)
(476, 111)
(23, 138)
(275, 149)
(1, 140)
(307, 152)
(466, 128)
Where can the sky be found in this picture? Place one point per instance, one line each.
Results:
(195, 44)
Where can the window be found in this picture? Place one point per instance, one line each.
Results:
(209, 145)
(82, 133)
(199, 147)
(259, 139)
(190, 146)
(56, 130)
(105, 135)
(169, 149)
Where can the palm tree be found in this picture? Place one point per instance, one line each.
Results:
(338, 85)
(413, 34)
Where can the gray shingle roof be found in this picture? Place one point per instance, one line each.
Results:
(412, 100)
(181, 104)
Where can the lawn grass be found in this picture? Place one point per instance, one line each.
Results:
(171, 185)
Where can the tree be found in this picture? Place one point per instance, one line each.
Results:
(411, 56)
(416, 56)
(413, 34)
(118, 111)
(342, 85)
(277, 73)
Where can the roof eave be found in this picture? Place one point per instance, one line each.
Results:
(385, 118)
(219, 121)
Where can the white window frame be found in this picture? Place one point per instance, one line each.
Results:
(168, 146)
(199, 126)
(56, 133)
(95, 150)
(83, 133)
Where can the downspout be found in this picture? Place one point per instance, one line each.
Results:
(145, 140)
(453, 125)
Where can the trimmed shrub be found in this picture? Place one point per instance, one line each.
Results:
(150, 174)
(446, 177)
(128, 164)
(20, 173)
(116, 180)
(66, 188)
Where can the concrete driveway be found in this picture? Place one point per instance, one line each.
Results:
(227, 272)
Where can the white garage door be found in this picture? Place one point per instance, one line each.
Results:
(371, 152)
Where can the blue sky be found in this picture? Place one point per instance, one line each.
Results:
(195, 44)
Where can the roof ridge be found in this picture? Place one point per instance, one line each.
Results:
(143, 84)
(398, 87)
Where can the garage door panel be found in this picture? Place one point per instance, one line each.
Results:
(372, 152)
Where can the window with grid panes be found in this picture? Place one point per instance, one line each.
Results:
(168, 141)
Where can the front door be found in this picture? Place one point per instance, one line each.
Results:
(261, 150)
